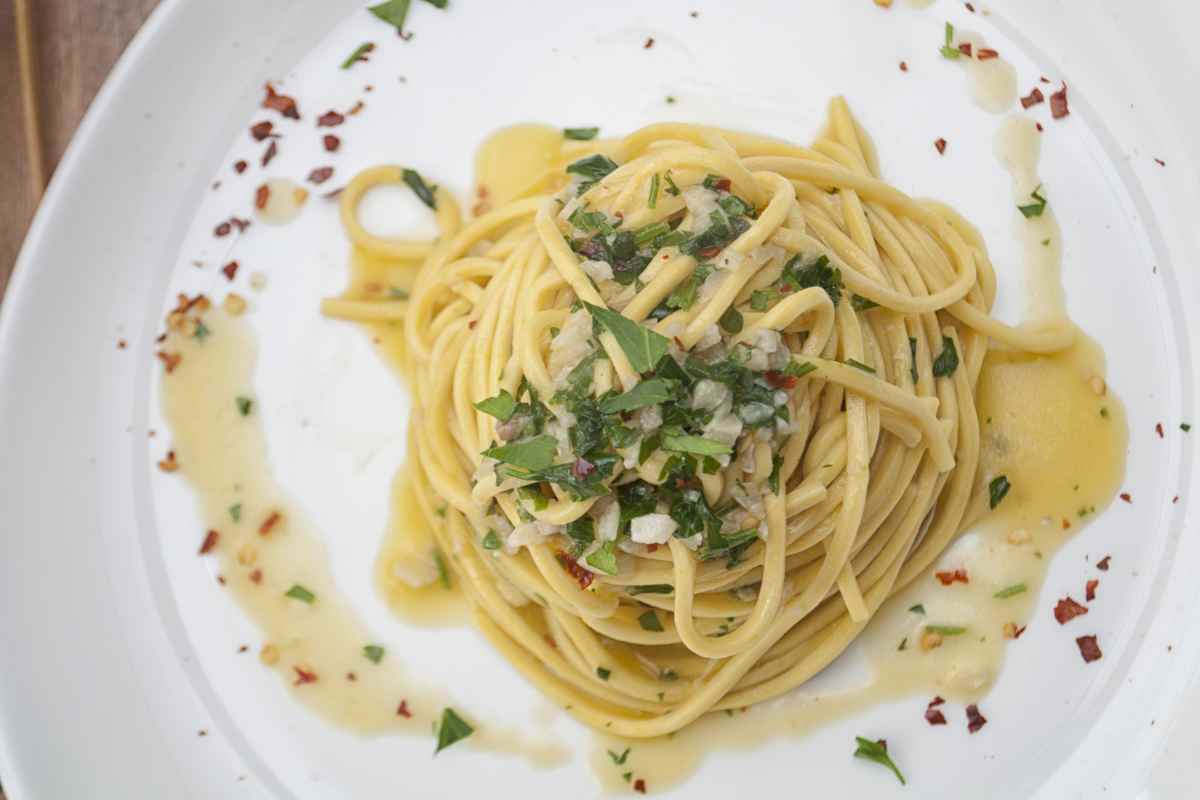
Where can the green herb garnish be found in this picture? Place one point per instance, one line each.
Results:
(948, 49)
(619, 759)
(860, 303)
(650, 622)
(298, 592)
(591, 169)
(1036, 208)
(501, 406)
(946, 630)
(877, 752)
(424, 192)
(798, 369)
(919, 608)
(580, 134)
(531, 454)
(244, 404)
(373, 652)
(652, 200)
(697, 445)
(451, 729)
(604, 559)
(235, 512)
(653, 588)
(443, 570)
(947, 360)
(642, 346)
(997, 489)
(603, 673)
(202, 331)
(671, 189)
(1009, 591)
(646, 393)
(359, 54)
(851, 362)
(491, 541)
(731, 321)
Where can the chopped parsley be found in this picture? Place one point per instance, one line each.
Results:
(603, 673)
(1038, 205)
(1009, 591)
(671, 189)
(642, 346)
(202, 331)
(394, 12)
(851, 362)
(947, 361)
(919, 608)
(235, 512)
(373, 652)
(652, 200)
(244, 404)
(580, 134)
(501, 406)
(997, 490)
(298, 592)
(946, 630)
(359, 54)
(653, 588)
(451, 729)
(646, 393)
(650, 622)
(443, 570)
(530, 454)
(619, 760)
(423, 191)
(604, 560)
(948, 50)
(877, 752)
(591, 169)
(491, 541)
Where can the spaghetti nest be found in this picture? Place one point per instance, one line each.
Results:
(691, 409)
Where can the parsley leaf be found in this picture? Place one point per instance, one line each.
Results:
(501, 406)
(654, 588)
(604, 559)
(946, 630)
(948, 49)
(877, 752)
(997, 489)
(244, 404)
(650, 622)
(491, 541)
(1009, 591)
(423, 190)
(374, 653)
(947, 361)
(642, 346)
(451, 729)
(1035, 208)
(580, 134)
(298, 592)
(646, 393)
(531, 454)
(694, 444)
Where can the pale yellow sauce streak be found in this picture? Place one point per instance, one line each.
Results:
(224, 457)
(1041, 425)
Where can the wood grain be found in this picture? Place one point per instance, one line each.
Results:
(76, 42)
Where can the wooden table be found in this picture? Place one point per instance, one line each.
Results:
(75, 44)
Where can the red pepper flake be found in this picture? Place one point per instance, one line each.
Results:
(261, 130)
(1158, 428)
(272, 149)
(170, 360)
(1067, 609)
(1088, 648)
(230, 270)
(639, 786)
(904, 66)
(169, 464)
(402, 710)
(1174, 499)
(970, 7)
(1102, 564)
(281, 102)
(1126, 497)
(987, 54)
(331, 142)
(239, 166)
(709, 252)
(932, 714)
(651, 548)
(1058, 103)
(1033, 98)
(779, 380)
(122, 344)
(221, 579)
(243, 648)
(1089, 590)
(350, 676)
(1160, 162)
(256, 576)
(304, 676)
(947, 578)
(975, 720)
(1066, 524)
(1039, 127)
(330, 119)
(269, 523)
(261, 195)
(223, 229)
(358, 106)
(210, 541)
(649, 43)
(940, 144)
(320, 175)
(723, 185)
(548, 639)
(582, 576)
(965, 49)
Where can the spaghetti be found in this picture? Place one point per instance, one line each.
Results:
(691, 408)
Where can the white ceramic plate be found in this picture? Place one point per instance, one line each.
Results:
(117, 647)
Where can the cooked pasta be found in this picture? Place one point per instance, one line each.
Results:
(690, 409)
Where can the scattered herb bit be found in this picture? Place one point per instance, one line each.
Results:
(948, 50)
(591, 169)
(619, 760)
(298, 592)
(647, 393)
(671, 189)
(652, 200)
(997, 490)
(451, 729)
(695, 444)
(642, 346)
(860, 303)
(798, 369)
(903, 645)
(650, 622)
(501, 406)
(604, 559)
(359, 54)
(491, 541)
(424, 191)
(919, 608)
(1009, 591)
(732, 321)
(235, 512)
(1035, 208)
(859, 365)
(1185, 427)
(580, 134)
(244, 404)
(654, 588)
(202, 331)
(443, 570)
(877, 752)
(531, 454)
(373, 652)
(603, 673)
(947, 360)
(946, 630)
